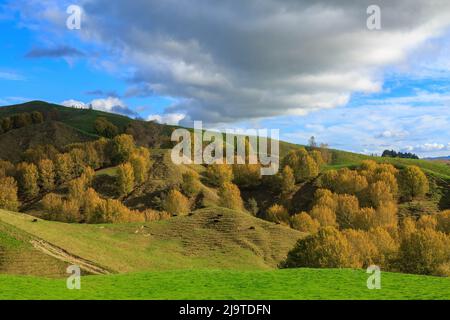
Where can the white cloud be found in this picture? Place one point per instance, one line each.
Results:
(74, 104)
(109, 104)
(168, 118)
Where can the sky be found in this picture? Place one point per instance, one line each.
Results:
(308, 68)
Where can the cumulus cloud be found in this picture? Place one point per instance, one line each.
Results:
(169, 118)
(109, 104)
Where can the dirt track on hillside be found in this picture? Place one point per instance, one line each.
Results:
(65, 256)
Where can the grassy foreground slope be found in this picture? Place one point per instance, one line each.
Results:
(215, 284)
(213, 238)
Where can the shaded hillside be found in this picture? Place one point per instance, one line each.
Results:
(15, 142)
(209, 238)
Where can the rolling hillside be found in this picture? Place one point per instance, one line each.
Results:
(209, 238)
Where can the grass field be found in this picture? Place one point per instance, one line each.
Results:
(220, 284)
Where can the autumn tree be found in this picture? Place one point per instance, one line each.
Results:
(7, 169)
(363, 248)
(8, 194)
(122, 148)
(176, 203)
(287, 180)
(218, 174)
(414, 183)
(140, 161)
(27, 176)
(304, 223)
(191, 185)
(327, 248)
(52, 205)
(77, 156)
(63, 165)
(427, 221)
(324, 215)
(277, 213)
(424, 251)
(125, 178)
(247, 175)
(46, 174)
(346, 211)
(230, 196)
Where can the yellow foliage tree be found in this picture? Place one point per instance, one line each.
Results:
(414, 183)
(176, 204)
(125, 178)
(46, 174)
(230, 197)
(8, 194)
(304, 223)
(324, 215)
(277, 213)
(28, 176)
(218, 174)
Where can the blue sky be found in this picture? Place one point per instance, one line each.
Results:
(265, 64)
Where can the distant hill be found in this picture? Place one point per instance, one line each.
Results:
(439, 158)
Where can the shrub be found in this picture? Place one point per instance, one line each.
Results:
(252, 206)
(230, 197)
(304, 223)
(175, 203)
(8, 194)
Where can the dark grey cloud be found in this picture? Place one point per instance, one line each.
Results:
(102, 93)
(56, 52)
(232, 60)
